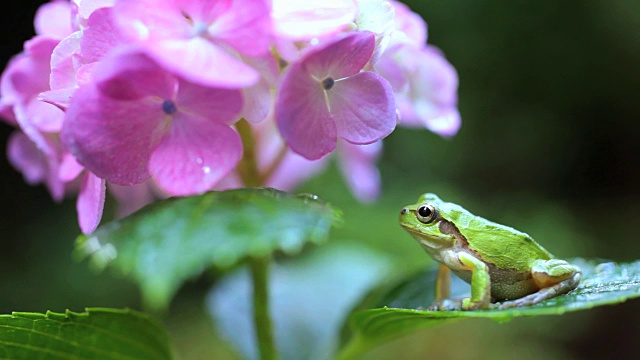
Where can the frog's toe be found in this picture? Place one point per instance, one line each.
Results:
(446, 305)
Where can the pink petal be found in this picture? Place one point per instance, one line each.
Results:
(144, 20)
(41, 46)
(45, 117)
(258, 102)
(302, 115)
(203, 62)
(101, 36)
(435, 78)
(53, 19)
(84, 74)
(195, 155)
(292, 170)
(90, 202)
(36, 166)
(267, 66)
(88, 7)
(446, 124)
(218, 105)
(245, 26)
(25, 157)
(199, 10)
(24, 118)
(357, 163)
(363, 108)
(128, 74)
(231, 181)
(304, 20)
(69, 168)
(60, 98)
(113, 139)
(189, 48)
(63, 69)
(342, 58)
(28, 73)
(259, 99)
(132, 198)
(390, 68)
(434, 92)
(6, 113)
(376, 16)
(409, 25)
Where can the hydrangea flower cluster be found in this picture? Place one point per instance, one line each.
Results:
(157, 98)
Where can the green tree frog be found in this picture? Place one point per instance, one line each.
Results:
(502, 264)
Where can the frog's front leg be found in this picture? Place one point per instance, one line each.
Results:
(553, 277)
(480, 283)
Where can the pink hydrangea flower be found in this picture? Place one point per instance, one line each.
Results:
(425, 86)
(358, 166)
(196, 39)
(152, 87)
(326, 96)
(138, 120)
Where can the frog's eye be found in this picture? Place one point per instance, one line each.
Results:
(427, 214)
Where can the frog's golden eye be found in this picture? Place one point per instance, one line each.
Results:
(427, 214)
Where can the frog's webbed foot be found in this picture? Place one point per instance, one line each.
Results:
(560, 288)
(457, 304)
(446, 305)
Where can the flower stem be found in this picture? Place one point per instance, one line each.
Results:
(248, 166)
(261, 316)
(250, 176)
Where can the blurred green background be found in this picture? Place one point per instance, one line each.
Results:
(549, 145)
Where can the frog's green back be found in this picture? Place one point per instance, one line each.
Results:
(498, 244)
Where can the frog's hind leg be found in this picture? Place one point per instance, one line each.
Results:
(553, 277)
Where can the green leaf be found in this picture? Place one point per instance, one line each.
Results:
(602, 284)
(310, 298)
(170, 241)
(95, 334)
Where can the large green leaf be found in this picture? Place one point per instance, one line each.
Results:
(94, 334)
(602, 284)
(173, 240)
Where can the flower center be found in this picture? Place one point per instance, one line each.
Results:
(169, 107)
(327, 83)
(200, 28)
